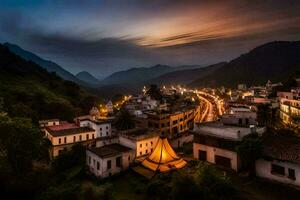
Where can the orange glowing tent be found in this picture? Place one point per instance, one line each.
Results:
(163, 158)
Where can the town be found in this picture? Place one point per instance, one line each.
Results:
(146, 133)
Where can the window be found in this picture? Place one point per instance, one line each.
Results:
(80, 137)
(140, 153)
(94, 161)
(276, 169)
(87, 137)
(98, 165)
(202, 155)
(292, 174)
(151, 150)
(146, 144)
(174, 122)
(146, 151)
(106, 127)
(151, 143)
(240, 121)
(74, 138)
(247, 121)
(106, 132)
(168, 123)
(59, 141)
(93, 136)
(162, 125)
(100, 129)
(109, 164)
(65, 139)
(118, 161)
(141, 145)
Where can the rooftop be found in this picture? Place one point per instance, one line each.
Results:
(282, 147)
(139, 133)
(109, 150)
(218, 129)
(48, 120)
(67, 129)
(98, 121)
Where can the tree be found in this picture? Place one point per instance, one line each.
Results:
(124, 120)
(264, 114)
(185, 187)
(20, 143)
(154, 92)
(249, 150)
(69, 159)
(214, 185)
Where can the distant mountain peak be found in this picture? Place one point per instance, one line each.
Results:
(87, 77)
(46, 64)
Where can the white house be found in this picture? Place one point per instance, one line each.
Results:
(102, 127)
(65, 135)
(215, 142)
(240, 116)
(281, 159)
(109, 160)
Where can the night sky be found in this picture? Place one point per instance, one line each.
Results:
(107, 36)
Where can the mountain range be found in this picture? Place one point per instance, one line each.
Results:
(273, 61)
(46, 64)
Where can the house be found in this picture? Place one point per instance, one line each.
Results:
(48, 122)
(141, 140)
(241, 116)
(290, 112)
(173, 124)
(215, 142)
(65, 135)
(109, 107)
(102, 127)
(280, 159)
(109, 160)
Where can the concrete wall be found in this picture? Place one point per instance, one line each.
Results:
(141, 147)
(145, 146)
(103, 172)
(181, 140)
(263, 169)
(70, 139)
(100, 143)
(102, 130)
(212, 151)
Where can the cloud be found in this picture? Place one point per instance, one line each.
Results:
(106, 36)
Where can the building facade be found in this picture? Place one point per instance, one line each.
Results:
(173, 124)
(109, 160)
(290, 112)
(65, 135)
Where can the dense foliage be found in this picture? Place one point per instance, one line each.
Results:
(249, 150)
(30, 91)
(203, 182)
(124, 120)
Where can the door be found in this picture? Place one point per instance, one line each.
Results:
(223, 161)
(202, 155)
